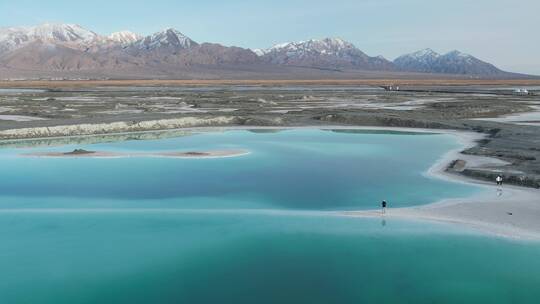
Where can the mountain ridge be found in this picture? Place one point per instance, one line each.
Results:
(324, 53)
(70, 47)
(453, 62)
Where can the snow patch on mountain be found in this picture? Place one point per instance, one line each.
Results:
(53, 32)
(169, 38)
(259, 52)
(327, 46)
(425, 53)
(124, 37)
(459, 55)
(12, 38)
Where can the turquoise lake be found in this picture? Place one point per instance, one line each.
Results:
(256, 228)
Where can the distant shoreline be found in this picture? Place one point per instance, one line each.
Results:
(432, 81)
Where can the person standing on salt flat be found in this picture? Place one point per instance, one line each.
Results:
(499, 180)
(383, 207)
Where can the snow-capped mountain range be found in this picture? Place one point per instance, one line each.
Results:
(455, 62)
(419, 61)
(70, 47)
(168, 38)
(324, 46)
(16, 37)
(325, 53)
(69, 35)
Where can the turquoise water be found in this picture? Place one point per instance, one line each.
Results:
(303, 169)
(251, 229)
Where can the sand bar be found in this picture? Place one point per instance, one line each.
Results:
(105, 154)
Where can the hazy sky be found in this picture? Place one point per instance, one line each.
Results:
(503, 32)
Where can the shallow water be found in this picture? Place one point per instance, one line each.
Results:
(302, 169)
(251, 229)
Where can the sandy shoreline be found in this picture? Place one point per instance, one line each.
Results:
(175, 154)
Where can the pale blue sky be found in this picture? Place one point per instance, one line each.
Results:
(500, 31)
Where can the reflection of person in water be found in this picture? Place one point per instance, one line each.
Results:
(499, 192)
(383, 204)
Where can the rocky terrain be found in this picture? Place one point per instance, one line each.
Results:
(40, 116)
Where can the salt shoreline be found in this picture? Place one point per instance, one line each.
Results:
(514, 214)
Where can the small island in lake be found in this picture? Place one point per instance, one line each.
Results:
(79, 152)
(173, 154)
